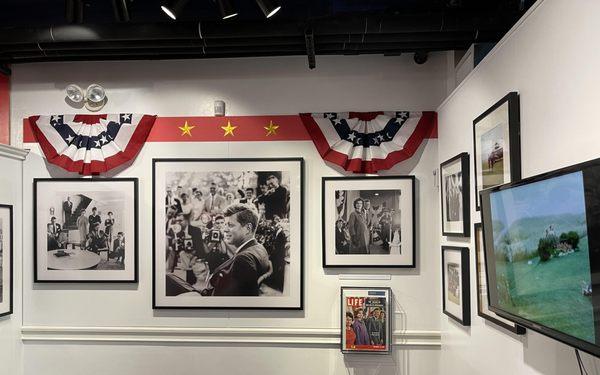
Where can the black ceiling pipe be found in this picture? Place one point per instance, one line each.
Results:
(467, 37)
(214, 30)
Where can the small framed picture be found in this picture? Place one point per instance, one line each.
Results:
(228, 233)
(6, 260)
(482, 294)
(369, 221)
(456, 299)
(86, 230)
(366, 324)
(454, 184)
(496, 145)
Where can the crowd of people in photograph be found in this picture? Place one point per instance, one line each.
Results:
(365, 226)
(365, 330)
(231, 238)
(95, 235)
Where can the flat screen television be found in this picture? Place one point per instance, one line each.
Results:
(542, 253)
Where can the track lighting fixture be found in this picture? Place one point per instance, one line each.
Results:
(121, 10)
(173, 8)
(269, 7)
(226, 9)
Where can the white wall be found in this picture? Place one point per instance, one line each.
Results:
(11, 165)
(249, 86)
(550, 59)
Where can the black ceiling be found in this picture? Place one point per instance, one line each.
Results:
(39, 30)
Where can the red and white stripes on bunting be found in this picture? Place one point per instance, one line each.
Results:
(370, 141)
(91, 144)
(358, 142)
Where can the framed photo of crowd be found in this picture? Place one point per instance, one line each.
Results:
(496, 145)
(6, 259)
(482, 296)
(228, 233)
(456, 298)
(86, 230)
(454, 184)
(369, 221)
(365, 321)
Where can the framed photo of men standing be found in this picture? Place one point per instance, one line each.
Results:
(227, 233)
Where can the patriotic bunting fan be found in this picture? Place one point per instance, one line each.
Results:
(91, 144)
(369, 142)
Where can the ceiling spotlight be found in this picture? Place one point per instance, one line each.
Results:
(75, 93)
(226, 9)
(94, 98)
(269, 7)
(173, 8)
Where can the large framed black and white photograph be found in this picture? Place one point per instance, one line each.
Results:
(456, 298)
(6, 259)
(454, 186)
(482, 294)
(228, 233)
(496, 145)
(86, 230)
(366, 324)
(369, 221)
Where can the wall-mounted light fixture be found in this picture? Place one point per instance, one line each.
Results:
(94, 98)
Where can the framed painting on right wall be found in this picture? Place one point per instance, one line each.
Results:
(496, 145)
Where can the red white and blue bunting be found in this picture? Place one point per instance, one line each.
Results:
(369, 142)
(91, 144)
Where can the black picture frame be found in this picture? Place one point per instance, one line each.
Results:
(465, 295)
(328, 253)
(465, 227)
(300, 161)
(10, 250)
(480, 267)
(388, 326)
(135, 182)
(514, 139)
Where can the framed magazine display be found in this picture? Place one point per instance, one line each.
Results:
(369, 221)
(6, 259)
(365, 320)
(454, 184)
(456, 298)
(86, 230)
(228, 233)
(496, 145)
(482, 296)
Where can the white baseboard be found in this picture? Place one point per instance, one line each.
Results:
(141, 335)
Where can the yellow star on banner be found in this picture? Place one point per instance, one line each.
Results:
(186, 129)
(271, 129)
(228, 129)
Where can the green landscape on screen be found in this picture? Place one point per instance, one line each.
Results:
(542, 258)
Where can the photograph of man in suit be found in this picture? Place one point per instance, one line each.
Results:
(180, 234)
(94, 218)
(171, 200)
(53, 234)
(214, 203)
(239, 276)
(119, 248)
(67, 211)
(275, 198)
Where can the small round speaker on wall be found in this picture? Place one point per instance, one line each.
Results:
(219, 108)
